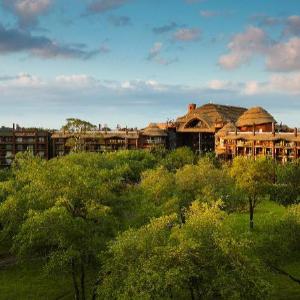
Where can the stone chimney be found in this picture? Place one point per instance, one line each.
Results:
(273, 128)
(191, 107)
(296, 131)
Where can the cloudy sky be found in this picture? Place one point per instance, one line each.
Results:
(130, 62)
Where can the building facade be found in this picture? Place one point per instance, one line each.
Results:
(229, 131)
(17, 139)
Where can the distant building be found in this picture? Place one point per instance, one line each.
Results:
(229, 131)
(255, 134)
(17, 139)
(197, 128)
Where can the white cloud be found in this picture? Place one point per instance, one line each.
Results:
(218, 84)
(101, 6)
(243, 47)
(277, 84)
(156, 56)
(48, 102)
(209, 13)
(22, 80)
(280, 56)
(75, 80)
(293, 25)
(284, 56)
(28, 11)
(187, 34)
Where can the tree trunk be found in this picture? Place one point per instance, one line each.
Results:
(94, 296)
(76, 289)
(82, 281)
(192, 292)
(251, 213)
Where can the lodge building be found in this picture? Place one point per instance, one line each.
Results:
(228, 131)
(17, 139)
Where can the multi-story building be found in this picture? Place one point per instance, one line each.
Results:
(229, 131)
(17, 139)
(107, 140)
(255, 134)
(197, 128)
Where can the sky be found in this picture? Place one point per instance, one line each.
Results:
(131, 62)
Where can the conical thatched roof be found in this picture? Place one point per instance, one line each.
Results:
(154, 130)
(255, 115)
(229, 127)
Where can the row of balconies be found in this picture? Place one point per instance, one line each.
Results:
(4, 140)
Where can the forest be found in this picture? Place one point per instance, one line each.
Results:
(149, 225)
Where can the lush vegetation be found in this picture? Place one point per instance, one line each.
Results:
(149, 225)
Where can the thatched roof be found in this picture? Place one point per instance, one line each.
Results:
(212, 114)
(255, 115)
(154, 130)
(229, 127)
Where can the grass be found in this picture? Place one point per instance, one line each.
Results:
(29, 282)
(267, 212)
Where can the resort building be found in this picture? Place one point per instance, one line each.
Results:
(17, 139)
(256, 134)
(228, 131)
(198, 127)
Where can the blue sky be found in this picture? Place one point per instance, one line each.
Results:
(131, 62)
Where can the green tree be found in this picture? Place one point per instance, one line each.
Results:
(178, 158)
(279, 243)
(77, 128)
(169, 260)
(286, 189)
(254, 178)
(63, 211)
(206, 182)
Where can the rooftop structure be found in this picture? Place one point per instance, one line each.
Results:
(229, 131)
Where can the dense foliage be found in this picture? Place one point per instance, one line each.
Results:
(150, 225)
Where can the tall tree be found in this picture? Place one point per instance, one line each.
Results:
(62, 211)
(254, 178)
(77, 129)
(287, 186)
(196, 260)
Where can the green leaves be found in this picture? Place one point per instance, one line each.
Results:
(165, 260)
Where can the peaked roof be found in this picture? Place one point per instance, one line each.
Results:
(154, 130)
(214, 113)
(255, 115)
(229, 127)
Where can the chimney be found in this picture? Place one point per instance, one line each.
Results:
(296, 131)
(99, 127)
(273, 128)
(191, 107)
(14, 126)
(253, 128)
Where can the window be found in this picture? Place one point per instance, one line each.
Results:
(19, 140)
(41, 139)
(41, 153)
(8, 154)
(30, 140)
(30, 148)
